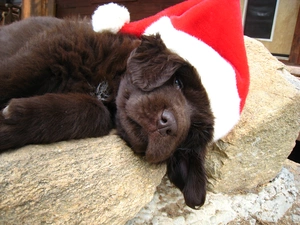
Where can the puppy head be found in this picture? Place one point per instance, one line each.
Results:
(157, 100)
(163, 112)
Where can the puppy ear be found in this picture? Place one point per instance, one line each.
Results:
(185, 168)
(186, 171)
(151, 64)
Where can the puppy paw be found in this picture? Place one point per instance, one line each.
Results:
(13, 125)
(5, 112)
(15, 112)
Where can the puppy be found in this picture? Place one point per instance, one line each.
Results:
(60, 80)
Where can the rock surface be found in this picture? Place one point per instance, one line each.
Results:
(276, 203)
(254, 152)
(92, 181)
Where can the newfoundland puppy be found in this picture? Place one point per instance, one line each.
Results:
(60, 80)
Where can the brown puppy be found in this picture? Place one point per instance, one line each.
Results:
(60, 80)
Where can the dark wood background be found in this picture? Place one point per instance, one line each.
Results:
(138, 8)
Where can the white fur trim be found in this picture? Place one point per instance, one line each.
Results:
(217, 75)
(110, 17)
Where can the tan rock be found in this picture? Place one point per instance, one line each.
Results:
(92, 181)
(254, 152)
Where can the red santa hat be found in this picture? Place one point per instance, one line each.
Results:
(206, 33)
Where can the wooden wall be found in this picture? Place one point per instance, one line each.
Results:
(138, 8)
(38, 8)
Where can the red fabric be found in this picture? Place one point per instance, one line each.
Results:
(138, 27)
(218, 23)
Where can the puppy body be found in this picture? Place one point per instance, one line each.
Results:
(60, 80)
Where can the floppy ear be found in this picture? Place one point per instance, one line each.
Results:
(151, 64)
(186, 170)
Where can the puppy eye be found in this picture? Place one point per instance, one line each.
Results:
(178, 83)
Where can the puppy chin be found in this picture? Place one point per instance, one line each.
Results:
(153, 157)
(159, 148)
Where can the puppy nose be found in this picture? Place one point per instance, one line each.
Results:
(167, 123)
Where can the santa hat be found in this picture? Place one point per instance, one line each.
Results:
(206, 33)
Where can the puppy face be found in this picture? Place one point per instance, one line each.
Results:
(153, 122)
(158, 100)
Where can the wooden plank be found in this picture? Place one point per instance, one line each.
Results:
(295, 49)
(35, 7)
(141, 9)
(26, 8)
(105, 1)
(138, 8)
(51, 8)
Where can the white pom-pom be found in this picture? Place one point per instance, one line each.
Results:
(110, 17)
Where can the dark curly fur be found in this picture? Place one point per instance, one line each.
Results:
(60, 80)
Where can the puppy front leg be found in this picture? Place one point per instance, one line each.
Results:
(51, 118)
